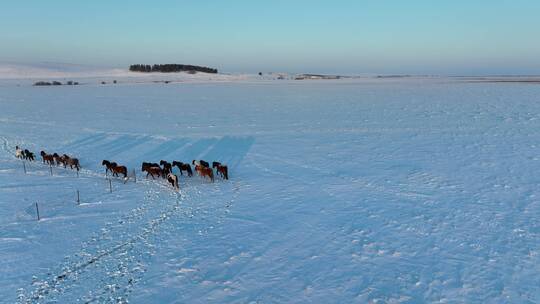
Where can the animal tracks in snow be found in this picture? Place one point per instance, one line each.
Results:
(114, 259)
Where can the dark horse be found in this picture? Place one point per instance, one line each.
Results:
(151, 164)
(167, 167)
(114, 168)
(47, 158)
(59, 159)
(28, 155)
(221, 169)
(119, 169)
(152, 169)
(108, 165)
(183, 167)
(71, 161)
(201, 162)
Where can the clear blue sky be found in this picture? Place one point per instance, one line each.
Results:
(347, 36)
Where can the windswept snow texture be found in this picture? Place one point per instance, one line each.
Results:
(388, 191)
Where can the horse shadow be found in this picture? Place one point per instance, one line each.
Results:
(229, 150)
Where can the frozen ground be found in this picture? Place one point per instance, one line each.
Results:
(386, 191)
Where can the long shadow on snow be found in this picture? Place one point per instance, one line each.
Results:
(111, 141)
(230, 150)
(165, 150)
(124, 143)
(196, 149)
(91, 139)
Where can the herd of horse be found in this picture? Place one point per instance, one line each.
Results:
(162, 170)
(49, 159)
(165, 170)
(24, 154)
(64, 159)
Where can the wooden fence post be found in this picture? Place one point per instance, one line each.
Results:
(78, 198)
(24, 166)
(37, 211)
(110, 185)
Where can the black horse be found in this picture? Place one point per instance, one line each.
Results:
(167, 167)
(28, 155)
(183, 167)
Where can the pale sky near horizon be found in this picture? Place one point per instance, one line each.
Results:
(455, 37)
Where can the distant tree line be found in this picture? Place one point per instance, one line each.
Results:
(54, 83)
(170, 68)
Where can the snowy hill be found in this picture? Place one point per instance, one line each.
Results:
(29, 73)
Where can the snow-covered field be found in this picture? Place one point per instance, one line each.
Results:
(349, 191)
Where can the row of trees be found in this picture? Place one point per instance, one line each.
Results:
(54, 83)
(169, 68)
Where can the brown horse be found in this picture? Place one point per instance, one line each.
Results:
(152, 170)
(115, 169)
(71, 162)
(204, 171)
(47, 158)
(183, 167)
(221, 169)
(108, 165)
(59, 159)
